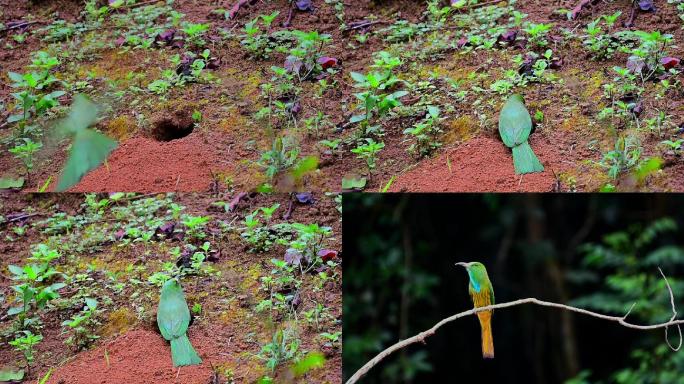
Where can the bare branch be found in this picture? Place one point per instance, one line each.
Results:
(420, 338)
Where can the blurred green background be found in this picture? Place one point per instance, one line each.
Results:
(600, 252)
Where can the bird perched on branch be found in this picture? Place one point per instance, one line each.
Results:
(515, 126)
(482, 293)
(173, 318)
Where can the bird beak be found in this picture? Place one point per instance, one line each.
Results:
(464, 265)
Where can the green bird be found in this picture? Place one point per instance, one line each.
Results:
(173, 318)
(482, 293)
(515, 125)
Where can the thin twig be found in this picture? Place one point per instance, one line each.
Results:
(473, 6)
(139, 4)
(22, 25)
(364, 24)
(622, 320)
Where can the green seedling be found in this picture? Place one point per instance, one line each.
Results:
(81, 324)
(25, 343)
(25, 152)
(369, 152)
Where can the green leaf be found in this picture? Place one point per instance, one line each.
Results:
(9, 374)
(647, 168)
(311, 361)
(88, 151)
(358, 77)
(46, 377)
(515, 122)
(10, 183)
(353, 183)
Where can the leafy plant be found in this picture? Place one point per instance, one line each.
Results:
(537, 33)
(425, 133)
(25, 152)
(33, 99)
(195, 33)
(283, 347)
(81, 324)
(369, 152)
(625, 156)
(375, 101)
(257, 43)
(34, 291)
(25, 342)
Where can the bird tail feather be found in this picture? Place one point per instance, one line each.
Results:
(487, 339)
(525, 160)
(183, 353)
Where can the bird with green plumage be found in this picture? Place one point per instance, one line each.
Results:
(515, 126)
(173, 319)
(482, 293)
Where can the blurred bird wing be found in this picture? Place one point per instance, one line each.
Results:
(88, 150)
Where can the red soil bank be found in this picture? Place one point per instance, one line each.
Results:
(137, 357)
(482, 164)
(145, 165)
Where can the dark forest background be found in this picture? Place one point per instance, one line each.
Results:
(600, 252)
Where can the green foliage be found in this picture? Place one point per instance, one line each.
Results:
(603, 46)
(425, 133)
(630, 258)
(25, 152)
(369, 151)
(625, 156)
(311, 361)
(34, 98)
(35, 290)
(25, 342)
(376, 101)
(259, 44)
(195, 33)
(80, 326)
(283, 347)
(537, 33)
(261, 237)
(285, 156)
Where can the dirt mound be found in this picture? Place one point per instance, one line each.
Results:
(145, 165)
(137, 357)
(482, 164)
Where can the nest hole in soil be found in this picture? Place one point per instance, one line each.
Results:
(176, 126)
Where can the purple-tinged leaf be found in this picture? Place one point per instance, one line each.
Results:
(462, 42)
(305, 198)
(509, 36)
(167, 229)
(119, 235)
(556, 62)
(327, 254)
(647, 5)
(327, 62)
(293, 256)
(294, 108)
(166, 36)
(636, 64)
(293, 64)
(669, 62)
(304, 5)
